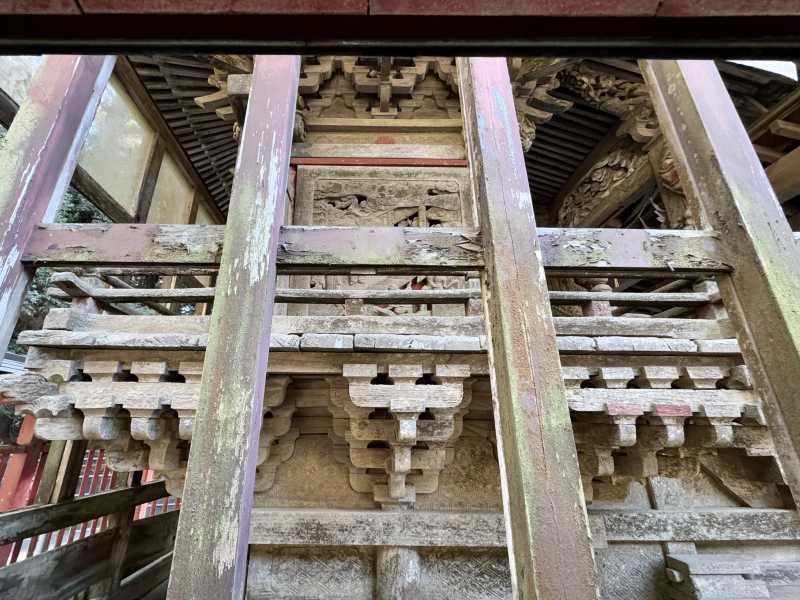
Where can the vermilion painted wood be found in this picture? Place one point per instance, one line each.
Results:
(380, 162)
(19, 481)
(546, 521)
(557, 8)
(276, 7)
(572, 8)
(210, 560)
(39, 7)
(37, 160)
(728, 8)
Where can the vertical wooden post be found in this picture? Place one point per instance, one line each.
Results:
(37, 158)
(550, 552)
(213, 531)
(149, 180)
(123, 521)
(721, 173)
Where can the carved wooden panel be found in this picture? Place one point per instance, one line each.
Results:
(382, 197)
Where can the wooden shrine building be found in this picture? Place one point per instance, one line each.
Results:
(397, 322)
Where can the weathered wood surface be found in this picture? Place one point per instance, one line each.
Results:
(70, 285)
(38, 156)
(27, 522)
(210, 559)
(123, 523)
(53, 361)
(68, 319)
(133, 85)
(70, 569)
(783, 176)
(722, 174)
(652, 400)
(136, 585)
(671, 253)
(397, 574)
(542, 495)
(701, 525)
(417, 8)
(377, 528)
(301, 248)
(149, 179)
(81, 180)
(138, 345)
(328, 527)
(183, 396)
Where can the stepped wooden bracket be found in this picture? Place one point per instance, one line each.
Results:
(404, 425)
(722, 174)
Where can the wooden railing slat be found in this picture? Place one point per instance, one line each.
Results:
(27, 522)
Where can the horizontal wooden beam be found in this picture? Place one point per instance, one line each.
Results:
(71, 286)
(378, 8)
(326, 527)
(718, 351)
(27, 522)
(149, 395)
(701, 525)
(705, 29)
(368, 250)
(72, 568)
(785, 129)
(783, 175)
(61, 320)
(137, 585)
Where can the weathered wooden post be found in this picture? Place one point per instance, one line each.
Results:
(550, 554)
(210, 559)
(37, 158)
(722, 175)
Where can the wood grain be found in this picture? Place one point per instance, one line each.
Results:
(27, 522)
(720, 171)
(210, 559)
(307, 249)
(542, 494)
(37, 159)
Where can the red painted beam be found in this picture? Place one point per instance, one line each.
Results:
(39, 7)
(728, 8)
(204, 7)
(517, 8)
(451, 8)
(380, 162)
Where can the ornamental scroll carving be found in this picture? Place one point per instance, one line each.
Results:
(638, 156)
(532, 80)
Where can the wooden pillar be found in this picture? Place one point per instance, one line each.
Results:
(213, 532)
(722, 175)
(550, 545)
(37, 159)
(397, 573)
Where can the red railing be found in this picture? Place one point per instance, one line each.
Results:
(95, 477)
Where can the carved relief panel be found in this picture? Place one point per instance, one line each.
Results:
(382, 197)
